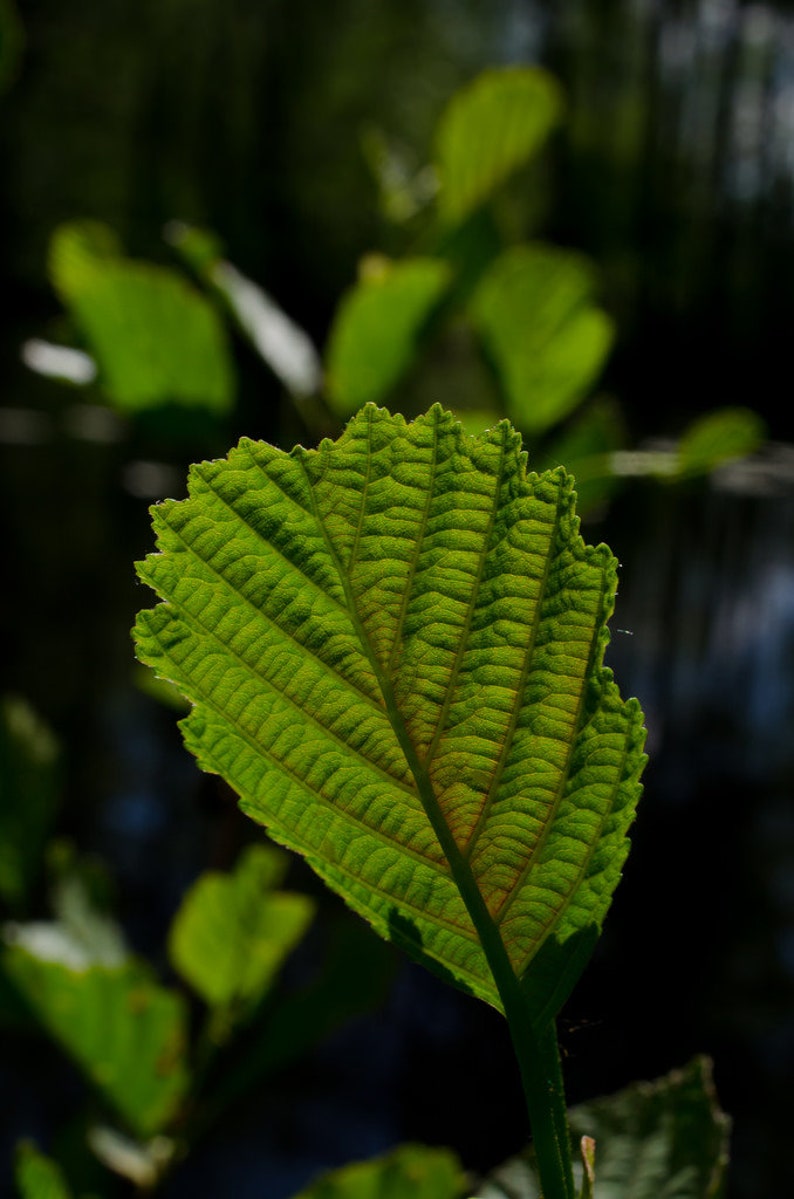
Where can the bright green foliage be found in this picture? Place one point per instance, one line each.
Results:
(488, 131)
(548, 340)
(155, 338)
(719, 437)
(124, 1031)
(393, 645)
(373, 340)
(233, 932)
(28, 796)
(666, 1139)
(408, 1172)
(37, 1176)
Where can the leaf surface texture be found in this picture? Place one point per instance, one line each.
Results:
(393, 646)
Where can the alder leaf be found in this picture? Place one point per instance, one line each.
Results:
(393, 645)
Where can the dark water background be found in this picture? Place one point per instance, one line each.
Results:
(675, 170)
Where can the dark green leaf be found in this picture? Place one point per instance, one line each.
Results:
(28, 797)
(408, 1172)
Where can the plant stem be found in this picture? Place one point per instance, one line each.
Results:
(541, 1076)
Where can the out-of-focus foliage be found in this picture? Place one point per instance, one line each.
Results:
(408, 1172)
(233, 931)
(11, 39)
(28, 797)
(375, 333)
(37, 1176)
(489, 130)
(155, 338)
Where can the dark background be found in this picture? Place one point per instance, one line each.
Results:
(675, 171)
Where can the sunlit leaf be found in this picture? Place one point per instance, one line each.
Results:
(548, 340)
(374, 336)
(233, 931)
(38, 1176)
(488, 131)
(660, 1140)
(28, 796)
(717, 438)
(125, 1031)
(155, 339)
(408, 1172)
(393, 645)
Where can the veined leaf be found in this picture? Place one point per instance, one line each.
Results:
(489, 130)
(394, 645)
(375, 331)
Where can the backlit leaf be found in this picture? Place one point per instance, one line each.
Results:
(393, 645)
(155, 339)
(548, 340)
(125, 1031)
(488, 131)
(233, 932)
(719, 437)
(376, 329)
(408, 1172)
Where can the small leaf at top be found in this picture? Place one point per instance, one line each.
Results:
(489, 130)
(393, 645)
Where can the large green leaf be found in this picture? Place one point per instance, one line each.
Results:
(233, 932)
(489, 130)
(666, 1139)
(535, 312)
(155, 338)
(374, 336)
(408, 1172)
(394, 646)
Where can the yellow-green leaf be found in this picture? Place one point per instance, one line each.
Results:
(394, 645)
(489, 130)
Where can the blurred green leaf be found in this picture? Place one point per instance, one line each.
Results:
(489, 130)
(375, 332)
(37, 1176)
(11, 41)
(548, 340)
(28, 797)
(660, 1140)
(155, 339)
(408, 1172)
(585, 448)
(233, 932)
(718, 437)
(125, 1031)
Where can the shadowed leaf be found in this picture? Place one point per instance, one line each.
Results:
(408, 1172)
